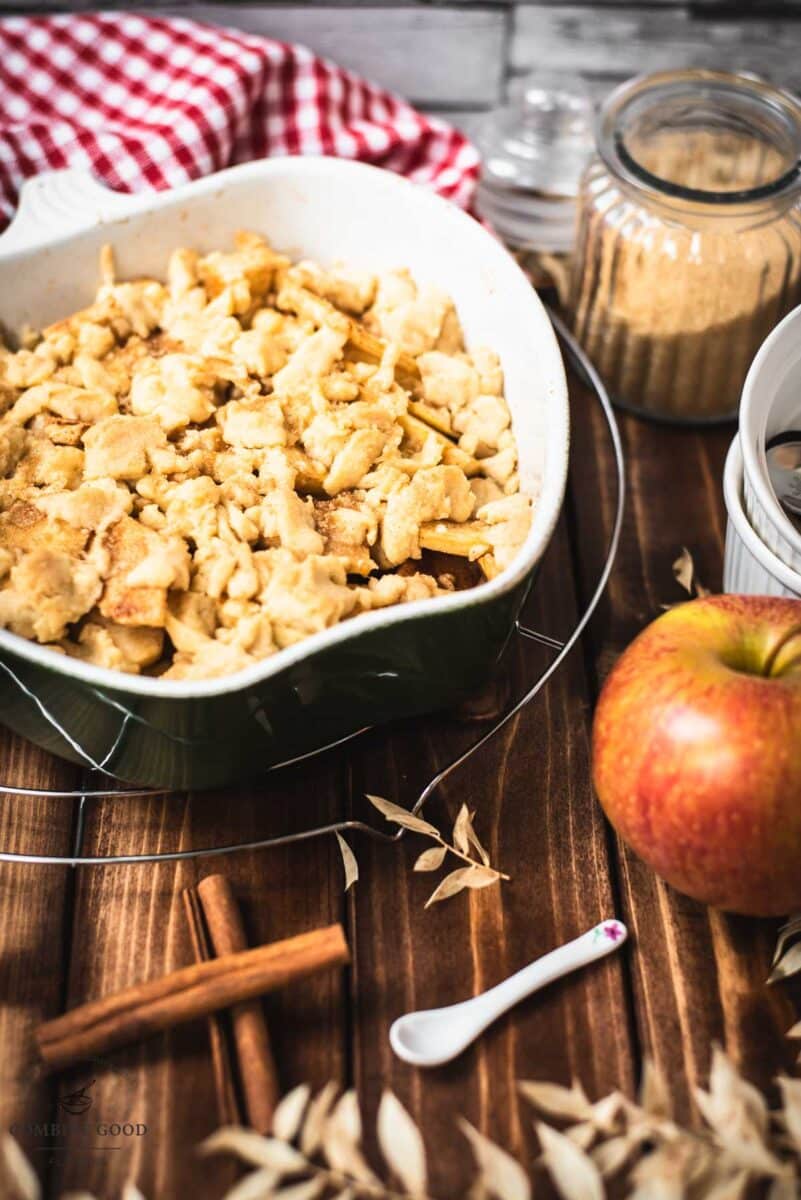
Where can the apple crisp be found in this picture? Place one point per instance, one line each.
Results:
(199, 472)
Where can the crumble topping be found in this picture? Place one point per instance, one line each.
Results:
(197, 473)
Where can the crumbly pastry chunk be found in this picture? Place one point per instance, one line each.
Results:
(199, 472)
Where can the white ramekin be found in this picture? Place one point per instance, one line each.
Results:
(750, 567)
(771, 404)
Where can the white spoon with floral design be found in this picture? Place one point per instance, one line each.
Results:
(436, 1035)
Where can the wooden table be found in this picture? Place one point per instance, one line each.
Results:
(687, 978)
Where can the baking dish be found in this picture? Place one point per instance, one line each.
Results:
(393, 662)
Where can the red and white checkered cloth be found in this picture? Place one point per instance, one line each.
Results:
(149, 102)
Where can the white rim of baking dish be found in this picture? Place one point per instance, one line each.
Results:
(22, 236)
(732, 494)
(754, 414)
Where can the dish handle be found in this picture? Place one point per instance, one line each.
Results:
(56, 203)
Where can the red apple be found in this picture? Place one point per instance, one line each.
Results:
(697, 751)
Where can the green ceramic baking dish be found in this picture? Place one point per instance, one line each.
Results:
(380, 665)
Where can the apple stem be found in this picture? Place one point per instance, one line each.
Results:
(777, 649)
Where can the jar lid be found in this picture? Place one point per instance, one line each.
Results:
(542, 139)
(533, 153)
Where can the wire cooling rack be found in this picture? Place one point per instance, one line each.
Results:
(107, 788)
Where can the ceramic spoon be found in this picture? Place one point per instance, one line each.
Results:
(437, 1035)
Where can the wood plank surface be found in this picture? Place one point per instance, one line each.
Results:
(129, 925)
(431, 55)
(614, 43)
(458, 55)
(688, 977)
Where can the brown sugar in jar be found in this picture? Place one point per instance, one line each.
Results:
(689, 239)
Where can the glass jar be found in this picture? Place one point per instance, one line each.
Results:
(689, 239)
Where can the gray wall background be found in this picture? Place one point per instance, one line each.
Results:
(458, 58)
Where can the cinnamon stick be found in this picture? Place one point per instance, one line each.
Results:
(195, 991)
(257, 1071)
(228, 1111)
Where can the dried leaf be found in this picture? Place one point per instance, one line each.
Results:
(348, 861)
(345, 1158)
(501, 1175)
(431, 860)
(288, 1115)
(583, 1134)
(606, 1112)
(401, 1144)
(17, 1176)
(463, 877)
(755, 1106)
(789, 964)
(571, 1104)
(401, 816)
(254, 1149)
(669, 1171)
(728, 1087)
(789, 930)
(316, 1116)
(481, 876)
(683, 570)
(460, 838)
(654, 1095)
(449, 886)
(574, 1174)
(341, 1136)
(685, 575)
(613, 1154)
(472, 837)
(791, 1101)
(795, 1032)
(255, 1186)
(738, 1133)
(347, 1116)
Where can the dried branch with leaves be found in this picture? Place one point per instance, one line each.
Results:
(316, 1151)
(316, 1145)
(464, 845)
(741, 1141)
(635, 1148)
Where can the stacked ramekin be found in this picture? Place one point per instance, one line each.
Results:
(763, 546)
